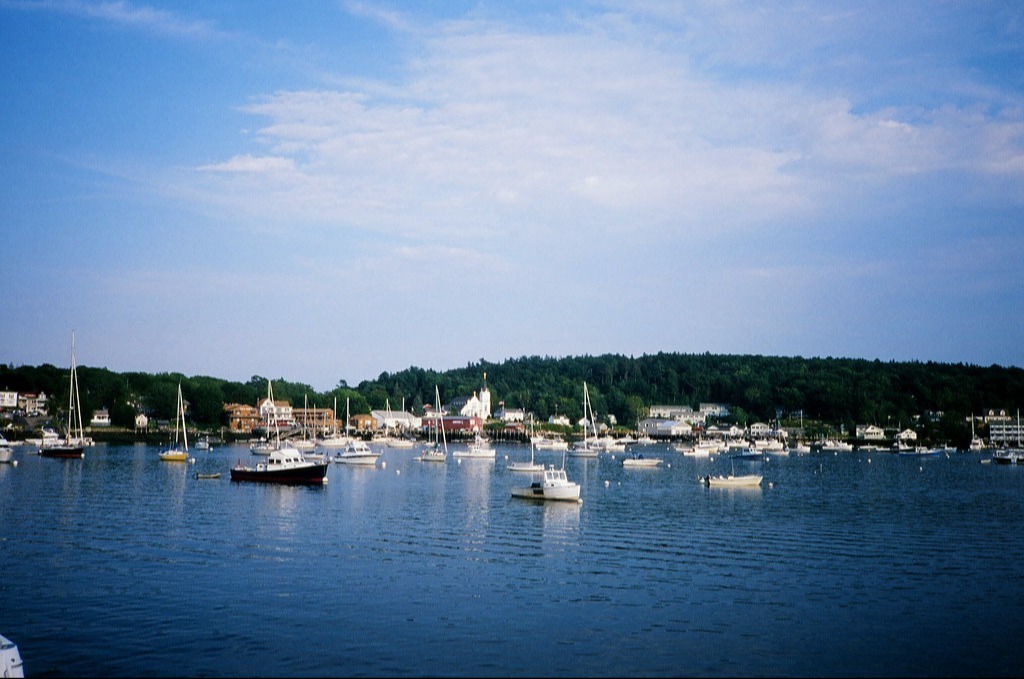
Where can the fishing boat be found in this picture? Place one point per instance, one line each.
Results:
(178, 451)
(554, 486)
(284, 464)
(74, 442)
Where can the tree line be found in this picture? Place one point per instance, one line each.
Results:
(824, 392)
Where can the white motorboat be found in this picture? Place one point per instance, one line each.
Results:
(549, 443)
(10, 659)
(554, 486)
(479, 447)
(6, 450)
(638, 461)
(742, 481)
(358, 452)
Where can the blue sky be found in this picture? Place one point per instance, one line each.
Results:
(324, 191)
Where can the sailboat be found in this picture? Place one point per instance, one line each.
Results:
(976, 442)
(395, 440)
(438, 450)
(305, 443)
(73, 444)
(265, 446)
(531, 466)
(588, 447)
(178, 452)
(334, 439)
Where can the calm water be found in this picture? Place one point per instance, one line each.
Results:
(858, 564)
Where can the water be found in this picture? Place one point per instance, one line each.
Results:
(857, 564)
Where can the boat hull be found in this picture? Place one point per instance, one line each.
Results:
(558, 494)
(63, 451)
(307, 475)
(748, 481)
(648, 463)
(174, 456)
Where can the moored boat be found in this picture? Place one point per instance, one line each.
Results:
(10, 659)
(743, 481)
(358, 452)
(283, 465)
(554, 486)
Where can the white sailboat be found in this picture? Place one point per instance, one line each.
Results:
(588, 447)
(305, 444)
(399, 441)
(334, 439)
(438, 450)
(178, 451)
(976, 442)
(531, 466)
(74, 442)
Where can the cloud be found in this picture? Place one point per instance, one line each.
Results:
(251, 164)
(601, 121)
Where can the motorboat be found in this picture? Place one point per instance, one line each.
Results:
(6, 449)
(10, 659)
(834, 446)
(479, 447)
(283, 465)
(554, 486)
(357, 451)
(549, 443)
(743, 481)
(638, 461)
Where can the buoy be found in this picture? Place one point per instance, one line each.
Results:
(398, 472)
(383, 464)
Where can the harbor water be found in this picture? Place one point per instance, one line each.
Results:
(849, 564)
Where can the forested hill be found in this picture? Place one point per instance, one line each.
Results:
(835, 390)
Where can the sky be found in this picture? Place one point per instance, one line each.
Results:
(326, 191)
